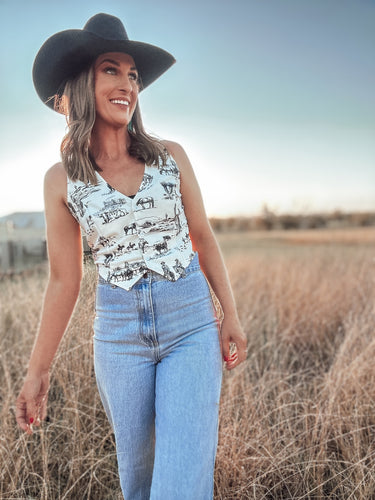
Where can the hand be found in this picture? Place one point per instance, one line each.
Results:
(233, 343)
(31, 404)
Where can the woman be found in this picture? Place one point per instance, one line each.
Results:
(157, 348)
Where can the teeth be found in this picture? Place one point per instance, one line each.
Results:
(120, 101)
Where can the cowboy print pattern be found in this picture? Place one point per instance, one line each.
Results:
(129, 236)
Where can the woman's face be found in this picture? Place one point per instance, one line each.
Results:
(116, 88)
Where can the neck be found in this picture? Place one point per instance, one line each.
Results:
(109, 144)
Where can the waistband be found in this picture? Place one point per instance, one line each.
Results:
(152, 276)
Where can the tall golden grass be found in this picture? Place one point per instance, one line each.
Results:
(297, 419)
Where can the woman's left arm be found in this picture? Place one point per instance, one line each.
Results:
(210, 257)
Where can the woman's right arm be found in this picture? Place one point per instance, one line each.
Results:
(65, 273)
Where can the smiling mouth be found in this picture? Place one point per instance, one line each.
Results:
(124, 102)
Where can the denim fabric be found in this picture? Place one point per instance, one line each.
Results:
(158, 368)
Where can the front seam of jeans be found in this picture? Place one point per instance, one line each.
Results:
(143, 317)
(156, 344)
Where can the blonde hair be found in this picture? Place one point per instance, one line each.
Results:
(78, 104)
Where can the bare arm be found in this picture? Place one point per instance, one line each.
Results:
(65, 261)
(210, 257)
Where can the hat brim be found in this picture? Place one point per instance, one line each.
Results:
(65, 54)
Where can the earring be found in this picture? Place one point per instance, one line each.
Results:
(130, 126)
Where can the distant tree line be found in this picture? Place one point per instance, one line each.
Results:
(269, 220)
(18, 254)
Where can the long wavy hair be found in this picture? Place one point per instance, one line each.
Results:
(78, 104)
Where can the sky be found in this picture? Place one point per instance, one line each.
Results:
(273, 100)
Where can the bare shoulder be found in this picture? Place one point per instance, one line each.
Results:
(189, 184)
(179, 154)
(172, 146)
(55, 181)
(56, 173)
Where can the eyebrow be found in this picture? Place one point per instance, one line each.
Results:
(112, 61)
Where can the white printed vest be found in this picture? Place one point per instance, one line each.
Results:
(130, 236)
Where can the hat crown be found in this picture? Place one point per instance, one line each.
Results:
(106, 26)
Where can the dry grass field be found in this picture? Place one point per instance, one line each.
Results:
(297, 418)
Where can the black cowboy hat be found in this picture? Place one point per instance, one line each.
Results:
(68, 52)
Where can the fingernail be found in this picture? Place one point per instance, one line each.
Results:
(226, 358)
(31, 420)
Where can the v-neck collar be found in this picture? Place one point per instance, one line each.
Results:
(120, 192)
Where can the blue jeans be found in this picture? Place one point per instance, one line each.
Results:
(158, 368)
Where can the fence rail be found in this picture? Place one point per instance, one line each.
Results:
(20, 254)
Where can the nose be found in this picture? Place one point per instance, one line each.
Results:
(126, 84)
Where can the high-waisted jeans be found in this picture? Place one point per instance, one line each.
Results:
(158, 368)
